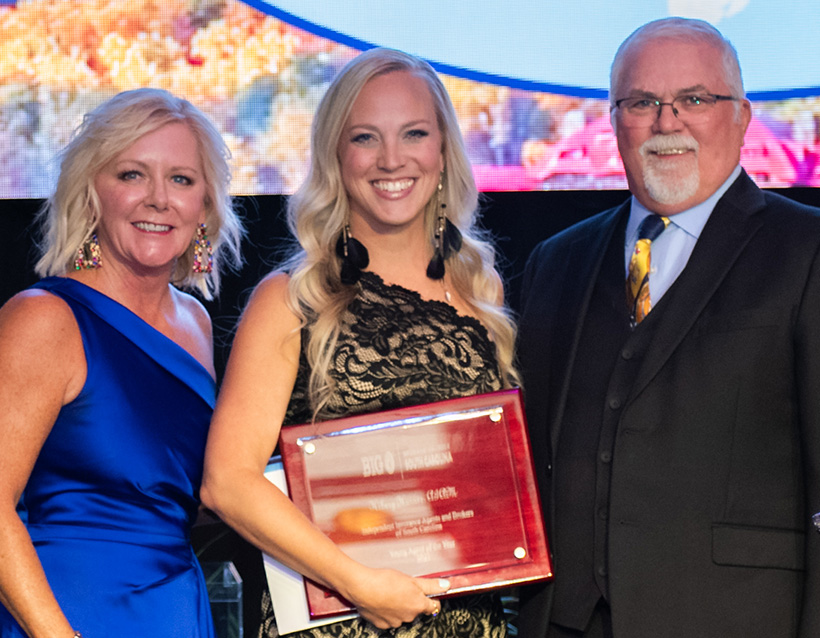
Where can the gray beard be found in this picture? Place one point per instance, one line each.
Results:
(670, 189)
(664, 185)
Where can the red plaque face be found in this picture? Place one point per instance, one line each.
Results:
(441, 490)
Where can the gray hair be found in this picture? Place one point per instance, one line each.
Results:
(687, 30)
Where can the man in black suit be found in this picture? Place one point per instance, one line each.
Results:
(678, 452)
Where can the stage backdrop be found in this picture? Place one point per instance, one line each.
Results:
(528, 78)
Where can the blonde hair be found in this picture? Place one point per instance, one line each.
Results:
(71, 214)
(318, 211)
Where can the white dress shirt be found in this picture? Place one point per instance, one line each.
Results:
(673, 247)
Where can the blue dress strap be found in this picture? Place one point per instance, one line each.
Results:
(166, 352)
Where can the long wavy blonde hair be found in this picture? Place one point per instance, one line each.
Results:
(318, 211)
(71, 214)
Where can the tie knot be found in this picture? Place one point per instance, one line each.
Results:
(652, 226)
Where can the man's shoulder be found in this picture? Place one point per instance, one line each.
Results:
(777, 208)
(785, 219)
(779, 203)
(588, 230)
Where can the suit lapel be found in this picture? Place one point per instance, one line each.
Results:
(730, 227)
(585, 257)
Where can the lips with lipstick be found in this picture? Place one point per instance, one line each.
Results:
(393, 187)
(152, 228)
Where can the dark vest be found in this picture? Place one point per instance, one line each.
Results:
(607, 361)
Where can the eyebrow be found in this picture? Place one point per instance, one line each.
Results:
(697, 88)
(144, 165)
(405, 126)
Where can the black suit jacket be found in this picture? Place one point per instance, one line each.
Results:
(716, 460)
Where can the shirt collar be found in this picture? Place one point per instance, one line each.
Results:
(691, 221)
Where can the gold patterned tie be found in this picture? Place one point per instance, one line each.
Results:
(637, 283)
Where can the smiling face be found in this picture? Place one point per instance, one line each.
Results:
(390, 153)
(670, 166)
(152, 197)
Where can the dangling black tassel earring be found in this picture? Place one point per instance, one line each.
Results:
(448, 242)
(435, 269)
(354, 257)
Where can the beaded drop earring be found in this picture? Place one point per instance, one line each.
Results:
(88, 255)
(203, 251)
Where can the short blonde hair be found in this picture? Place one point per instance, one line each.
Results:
(72, 212)
(319, 209)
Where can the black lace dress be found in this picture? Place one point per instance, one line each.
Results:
(397, 349)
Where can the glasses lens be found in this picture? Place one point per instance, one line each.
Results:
(694, 109)
(689, 109)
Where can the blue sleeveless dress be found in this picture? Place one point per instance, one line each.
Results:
(114, 492)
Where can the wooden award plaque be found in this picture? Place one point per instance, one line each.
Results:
(445, 489)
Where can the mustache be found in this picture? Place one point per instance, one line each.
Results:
(665, 143)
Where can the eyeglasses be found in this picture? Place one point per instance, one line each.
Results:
(692, 108)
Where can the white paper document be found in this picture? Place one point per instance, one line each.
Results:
(287, 587)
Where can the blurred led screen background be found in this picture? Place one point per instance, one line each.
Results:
(528, 78)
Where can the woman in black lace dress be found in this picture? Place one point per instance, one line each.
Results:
(390, 299)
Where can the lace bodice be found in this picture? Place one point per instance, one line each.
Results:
(397, 349)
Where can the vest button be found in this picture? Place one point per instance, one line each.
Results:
(606, 457)
(614, 403)
(627, 354)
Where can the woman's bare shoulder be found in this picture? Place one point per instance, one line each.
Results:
(40, 339)
(35, 313)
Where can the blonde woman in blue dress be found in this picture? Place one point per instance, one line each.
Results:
(108, 380)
